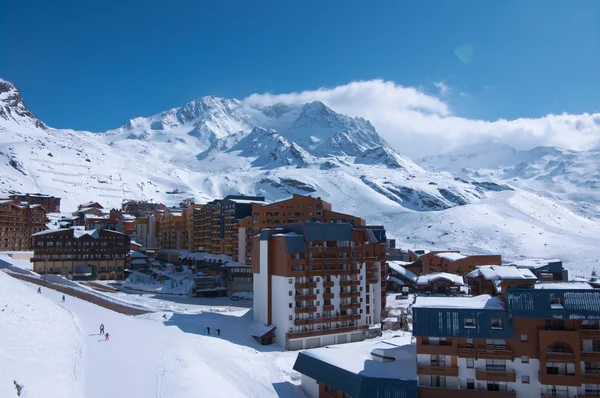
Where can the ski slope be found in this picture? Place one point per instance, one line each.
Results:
(54, 349)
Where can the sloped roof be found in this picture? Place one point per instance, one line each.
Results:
(398, 266)
(482, 302)
(450, 256)
(429, 278)
(501, 272)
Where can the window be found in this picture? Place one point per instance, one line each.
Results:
(470, 322)
(469, 343)
(495, 365)
(491, 344)
(290, 293)
(470, 363)
(331, 390)
(290, 330)
(525, 379)
(290, 281)
(524, 338)
(290, 317)
(497, 323)
(470, 384)
(290, 304)
(556, 303)
(524, 359)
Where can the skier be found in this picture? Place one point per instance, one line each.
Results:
(18, 387)
(218, 332)
(165, 316)
(101, 328)
(39, 290)
(107, 336)
(207, 330)
(63, 298)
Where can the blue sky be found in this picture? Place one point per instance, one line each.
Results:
(94, 65)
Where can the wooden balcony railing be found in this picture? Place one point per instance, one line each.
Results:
(590, 378)
(327, 283)
(311, 333)
(349, 283)
(563, 357)
(305, 297)
(451, 371)
(305, 310)
(306, 285)
(496, 375)
(349, 294)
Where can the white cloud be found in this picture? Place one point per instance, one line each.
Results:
(444, 89)
(420, 124)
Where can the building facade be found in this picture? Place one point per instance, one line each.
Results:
(452, 262)
(72, 252)
(297, 209)
(190, 240)
(145, 228)
(319, 283)
(50, 203)
(18, 221)
(169, 228)
(531, 340)
(141, 208)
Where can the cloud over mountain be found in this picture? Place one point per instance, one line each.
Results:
(418, 123)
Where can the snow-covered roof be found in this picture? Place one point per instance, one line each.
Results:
(482, 302)
(78, 233)
(429, 278)
(501, 272)
(395, 280)
(135, 254)
(398, 266)
(258, 329)
(450, 256)
(246, 201)
(286, 234)
(48, 231)
(535, 262)
(563, 285)
(358, 358)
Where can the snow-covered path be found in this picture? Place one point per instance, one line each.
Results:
(148, 356)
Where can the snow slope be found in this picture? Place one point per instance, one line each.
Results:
(570, 177)
(54, 349)
(213, 147)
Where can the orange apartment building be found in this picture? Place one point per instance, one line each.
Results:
(529, 340)
(319, 283)
(297, 209)
(18, 221)
(190, 239)
(452, 262)
(169, 228)
(48, 202)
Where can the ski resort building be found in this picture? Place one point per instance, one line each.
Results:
(452, 262)
(50, 203)
(18, 220)
(77, 252)
(319, 283)
(297, 209)
(377, 368)
(531, 340)
(542, 268)
(169, 228)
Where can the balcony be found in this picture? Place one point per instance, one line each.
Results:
(451, 371)
(331, 319)
(494, 353)
(466, 352)
(436, 349)
(349, 306)
(559, 380)
(591, 378)
(563, 357)
(372, 280)
(496, 375)
(322, 332)
(306, 297)
(305, 310)
(327, 283)
(328, 296)
(593, 356)
(349, 283)
(328, 308)
(589, 334)
(349, 294)
(435, 392)
(355, 271)
(306, 285)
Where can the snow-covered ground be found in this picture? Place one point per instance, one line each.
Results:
(54, 350)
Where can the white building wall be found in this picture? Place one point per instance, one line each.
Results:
(280, 307)
(260, 285)
(309, 386)
(521, 369)
(151, 233)
(376, 298)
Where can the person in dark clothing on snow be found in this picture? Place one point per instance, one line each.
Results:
(18, 387)
(101, 328)
(165, 316)
(207, 330)
(63, 298)
(107, 337)
(39, 290)
(218, 332)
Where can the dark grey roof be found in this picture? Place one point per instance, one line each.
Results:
(353, 384)
(449, 322)
(327, 231)
(295, 244)
(535, 303)
(379, 234)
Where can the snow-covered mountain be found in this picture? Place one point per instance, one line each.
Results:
(212, 147)
(569, 177)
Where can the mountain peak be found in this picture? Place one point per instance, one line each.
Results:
(13, 108)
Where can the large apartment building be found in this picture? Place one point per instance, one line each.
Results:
(190, 239)
(297, 209)
(101, 253)
(529, 340)
(48, 202)
(319, 283)
(169, 228)
(217, 222)
(18, 220)
(141, 208)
